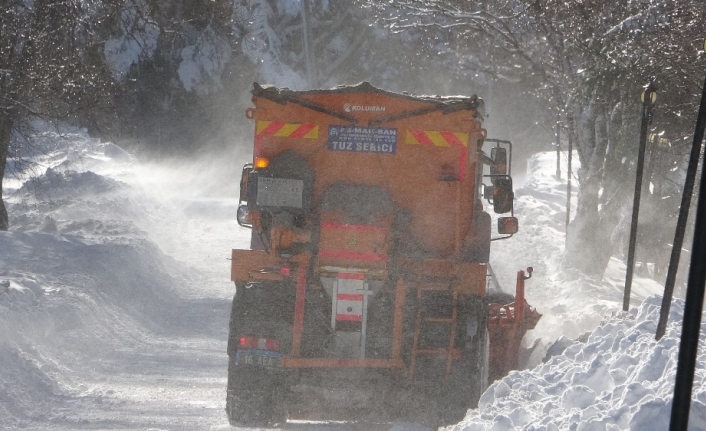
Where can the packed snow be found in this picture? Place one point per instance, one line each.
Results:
(115, 294)
(619, 378)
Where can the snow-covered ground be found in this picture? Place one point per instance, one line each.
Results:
(104, 325)
(617, 377)
(115, 294)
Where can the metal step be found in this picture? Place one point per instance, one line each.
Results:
(450, 352)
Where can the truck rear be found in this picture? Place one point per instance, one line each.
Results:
(368, 263)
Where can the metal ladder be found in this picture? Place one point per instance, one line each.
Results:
(450, 351)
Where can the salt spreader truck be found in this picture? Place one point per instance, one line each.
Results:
(368, 264)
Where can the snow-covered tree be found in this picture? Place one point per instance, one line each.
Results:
(610, 50)
(49, 66)
(136, 39)
(586, 63)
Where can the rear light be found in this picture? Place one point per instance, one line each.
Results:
(271, 344)
(259, 343)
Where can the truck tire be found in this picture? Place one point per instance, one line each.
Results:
(241, 405)
(469, 376)
(254, 395)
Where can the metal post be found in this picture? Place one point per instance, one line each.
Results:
(648, 98)
(568, 183)
(334, 303)
(558, 150)
(364, 323)
(520, 296)
(684, 381)
(683, 216)
(691, 326)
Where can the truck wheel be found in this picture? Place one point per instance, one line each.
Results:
(469, 376)
(254, 397)
(244, 404)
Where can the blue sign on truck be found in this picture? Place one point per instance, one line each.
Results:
(362, 139)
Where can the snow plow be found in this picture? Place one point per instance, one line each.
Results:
(368, 263)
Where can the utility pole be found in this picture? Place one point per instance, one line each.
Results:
(568, 175)
(683, 215)
(688, 346)
(648, 99)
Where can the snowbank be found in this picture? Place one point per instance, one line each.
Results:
(619, 379)
(571, 303)
(68, 308)
(81, 285)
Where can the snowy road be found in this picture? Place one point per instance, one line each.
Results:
(116, 312)
(205, 241)
(137, 362)
(116, 315)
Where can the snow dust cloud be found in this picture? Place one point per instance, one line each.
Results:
(115, 298)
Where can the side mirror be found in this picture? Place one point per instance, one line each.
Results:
(244, 217)
(499, 156)
(503, 195)
(508, 225)
(244, 180)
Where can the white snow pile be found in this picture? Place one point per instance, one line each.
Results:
(571, 303)
(82, 288)
(619, 379)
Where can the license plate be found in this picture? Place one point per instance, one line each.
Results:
(280, 192)
(257, 358)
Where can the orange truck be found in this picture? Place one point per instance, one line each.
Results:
(368, 264)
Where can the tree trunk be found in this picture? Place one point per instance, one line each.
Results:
(5, 133)
(588, 245)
